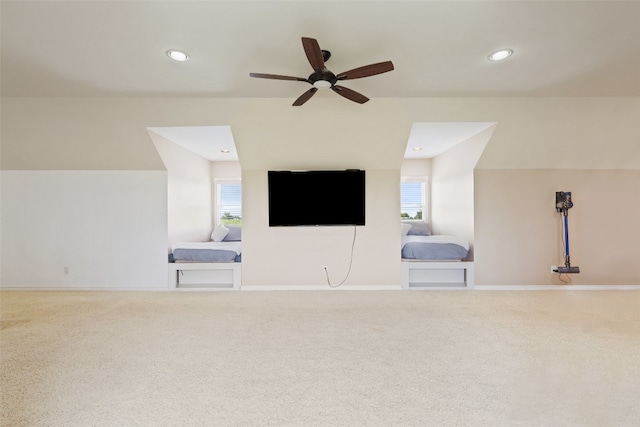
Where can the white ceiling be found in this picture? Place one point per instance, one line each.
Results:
(439, 48)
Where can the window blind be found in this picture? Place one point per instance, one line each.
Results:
(412, 199)
(229, 203)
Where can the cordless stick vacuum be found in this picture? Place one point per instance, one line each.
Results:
(563, 204)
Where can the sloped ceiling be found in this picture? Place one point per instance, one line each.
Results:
(214, 143)
(428, 139)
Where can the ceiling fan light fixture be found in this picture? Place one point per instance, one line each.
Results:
(500, 55)
(322, 84)
(178, 55)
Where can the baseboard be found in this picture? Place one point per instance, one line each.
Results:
(81, 289)
(346, 288)
(320, 288)
(567, 287)
(439, 288)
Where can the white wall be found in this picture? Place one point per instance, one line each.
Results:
(416, 168)
(452, 187)
(189, 192)
(84, 229)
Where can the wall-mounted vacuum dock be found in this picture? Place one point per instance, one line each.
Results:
(563, 204)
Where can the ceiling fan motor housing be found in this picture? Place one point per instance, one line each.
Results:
(326, 79)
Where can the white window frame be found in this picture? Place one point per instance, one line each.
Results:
(218, 209)
(424, 180)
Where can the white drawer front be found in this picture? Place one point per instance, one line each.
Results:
(439, 276)
(205, 277)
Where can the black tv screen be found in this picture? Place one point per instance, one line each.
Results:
(327, 197)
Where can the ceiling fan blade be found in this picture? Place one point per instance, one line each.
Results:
(276, 77)
(314, 53)
(350, 94)
(366, 71)
(305, 97)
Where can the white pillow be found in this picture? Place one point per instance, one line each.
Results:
(404, 229)
(219, 233)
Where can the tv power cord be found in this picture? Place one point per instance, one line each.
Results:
(326, 270)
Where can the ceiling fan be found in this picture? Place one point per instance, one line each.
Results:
(322, 78)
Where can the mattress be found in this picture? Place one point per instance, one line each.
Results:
(434, 248)
(207, 252)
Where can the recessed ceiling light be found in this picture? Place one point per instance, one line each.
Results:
(417, 148)
(178, 55)
(499, 55)
(225, 151)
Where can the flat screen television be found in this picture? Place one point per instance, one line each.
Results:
(316, 198)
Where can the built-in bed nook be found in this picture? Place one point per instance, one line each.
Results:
(208, 265)
(433, 261)
(437, 204)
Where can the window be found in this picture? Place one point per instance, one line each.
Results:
(413, 198)
(228, 202)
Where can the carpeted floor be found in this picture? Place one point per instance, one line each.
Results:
(325, 358)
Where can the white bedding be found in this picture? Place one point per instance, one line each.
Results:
(223, 246)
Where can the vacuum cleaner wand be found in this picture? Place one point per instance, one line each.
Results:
(563, 204)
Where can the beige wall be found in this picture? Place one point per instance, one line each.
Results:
(330, 134)
(545, 133)
(97, 133)
(592, 144)
(518, 232)
(285, 256)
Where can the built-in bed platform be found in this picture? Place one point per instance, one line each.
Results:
(208, 265)
(418, 274)
(205, 275)
(433, 261)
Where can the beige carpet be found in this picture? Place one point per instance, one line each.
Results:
(332, 358)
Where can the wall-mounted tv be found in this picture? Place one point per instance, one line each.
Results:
(316, 198)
